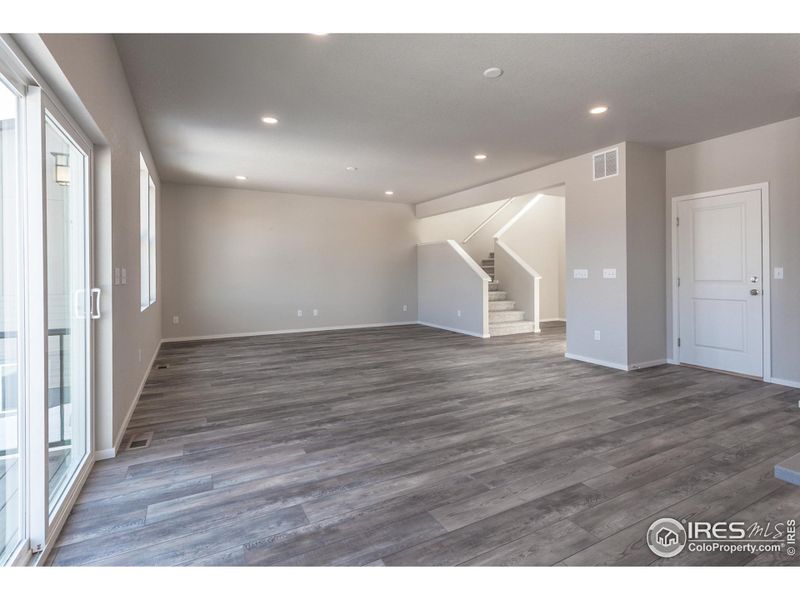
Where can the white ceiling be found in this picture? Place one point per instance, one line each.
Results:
(410, 111)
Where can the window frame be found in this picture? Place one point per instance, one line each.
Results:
(148, 265)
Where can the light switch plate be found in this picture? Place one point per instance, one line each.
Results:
(609, 273)
(778, 272)
(176, 319)
(116, 276)
(299, 313)
(597, 335)
(580, 273)
(316, 312)
(458, 313)
(405, 307)
(124, 276)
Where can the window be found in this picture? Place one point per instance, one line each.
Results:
(147, 236)
(11, 407)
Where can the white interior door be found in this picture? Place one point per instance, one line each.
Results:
(720, 290)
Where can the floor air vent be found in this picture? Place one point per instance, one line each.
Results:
(140, 440)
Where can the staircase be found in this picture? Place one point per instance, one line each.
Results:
(503, 319)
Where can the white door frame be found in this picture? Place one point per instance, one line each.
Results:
(766, 277)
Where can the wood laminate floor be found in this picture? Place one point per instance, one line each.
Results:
(414, 446)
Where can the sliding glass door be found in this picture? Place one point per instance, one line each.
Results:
(69, 307)
(11, 406)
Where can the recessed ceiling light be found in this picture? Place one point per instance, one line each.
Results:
(598, 110)
(351, 168)
(389, 193)
(269, 120)
(241, 178)
(480, 157)
(493, 72)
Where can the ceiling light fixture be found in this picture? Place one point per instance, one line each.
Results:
(241, 178)
(269, 120)
(319, 34)
(351, 168)
(493, 72)
(480, 157)
(598, 110)
(389, 193)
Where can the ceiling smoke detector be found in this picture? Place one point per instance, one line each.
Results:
(493, 72)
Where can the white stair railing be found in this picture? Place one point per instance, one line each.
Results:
(519, 279)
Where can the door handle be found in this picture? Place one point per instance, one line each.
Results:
(755, 292)
(95, 314)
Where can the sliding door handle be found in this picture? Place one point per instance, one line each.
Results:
(95, 314)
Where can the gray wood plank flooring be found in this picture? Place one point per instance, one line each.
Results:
(413, 446)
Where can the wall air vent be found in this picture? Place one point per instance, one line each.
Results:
(606, 164)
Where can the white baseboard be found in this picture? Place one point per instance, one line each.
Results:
(223, 336)
(107, 453)
(786, 382)
(558, 319)
(453, 329)
(672, 361)
(648, 363)
(597, 361)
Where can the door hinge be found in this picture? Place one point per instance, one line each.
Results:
(679, 342)
(677, 221)
(679, 282)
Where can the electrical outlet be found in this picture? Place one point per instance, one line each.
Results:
(176, 319)
(778, 272)
(405, 307)
(609, 273)
(316, 312)
(299, 313)
(458, 313)
(597, 335)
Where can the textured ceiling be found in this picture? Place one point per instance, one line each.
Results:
(410, 111)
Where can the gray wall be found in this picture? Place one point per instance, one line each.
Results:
(464, 289)
(596, 225)
(86, 73)
(238, 261)
(646, 254)
(765, 154)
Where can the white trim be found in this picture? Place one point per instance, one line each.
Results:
(222, 336)
(559, 319)
(647, 364)
(766, 272)
(786, 382)
(64, 509)
(517, 216)
(463, 254)
(489, 218)
(518, 259)
(596, 361)
(106, 453)
(454, 330)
